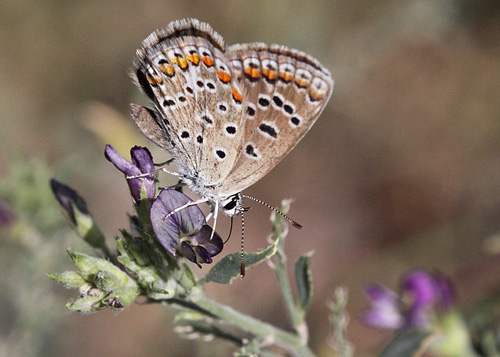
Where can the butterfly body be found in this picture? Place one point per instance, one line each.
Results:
(226, 115)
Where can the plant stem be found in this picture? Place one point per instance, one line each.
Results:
(296, 316)
(287, 340)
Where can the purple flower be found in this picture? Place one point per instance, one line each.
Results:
(421, 295)
(385, 308)
(70, 200)
(184, 233)
(142, 163)
(79, 214)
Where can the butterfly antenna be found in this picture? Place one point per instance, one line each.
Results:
(242, 265)
(292, 222)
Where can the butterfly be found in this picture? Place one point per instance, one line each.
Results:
(226, 115)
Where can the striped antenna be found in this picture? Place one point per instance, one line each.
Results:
(242, 265)
(293, 223)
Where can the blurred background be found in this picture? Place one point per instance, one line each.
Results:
(401, 171)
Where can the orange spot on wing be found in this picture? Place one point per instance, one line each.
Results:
(208, 61)
(300, 83)
(269, 74)
(181, 62)
(193, 59)
(154, 81)
(252, 72)
(286, 77)
(315, 95)
(237, 95)
(224, 77)
(168, 69)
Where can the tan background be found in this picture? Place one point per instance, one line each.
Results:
(401, 171)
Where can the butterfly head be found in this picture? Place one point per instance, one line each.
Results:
(232, 206)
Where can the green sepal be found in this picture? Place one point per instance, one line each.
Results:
(87, 228)
(69, 279)
(229, 267)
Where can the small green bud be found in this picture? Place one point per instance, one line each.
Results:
(100, 283)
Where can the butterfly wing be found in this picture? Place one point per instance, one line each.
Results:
(284, 92)
(182, 68)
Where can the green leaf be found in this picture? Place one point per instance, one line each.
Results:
(303, 278)
(406, 343)
(228, 268)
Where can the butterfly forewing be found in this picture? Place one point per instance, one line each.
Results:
(182, 68)
(284, 92)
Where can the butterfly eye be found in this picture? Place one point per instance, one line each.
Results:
(230, 205)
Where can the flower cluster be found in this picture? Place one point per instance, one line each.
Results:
(184, 233)
(421, 295)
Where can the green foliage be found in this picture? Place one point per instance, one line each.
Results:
(407, 343)
(303, 278)
(228, 268)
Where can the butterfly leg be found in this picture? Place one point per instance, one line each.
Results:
(215, 211)
(173, 173)
(165, 163)
(189, 204)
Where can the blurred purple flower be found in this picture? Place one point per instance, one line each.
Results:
(421, 295)
(184, 233)
(142, 163)
(385, 308)
(7, 217)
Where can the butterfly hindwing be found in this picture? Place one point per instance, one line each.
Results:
(284, 92)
